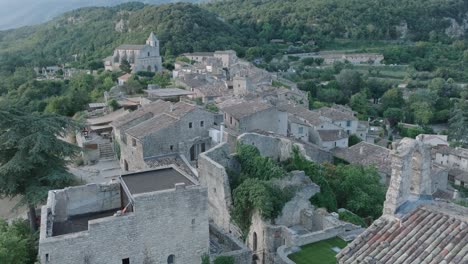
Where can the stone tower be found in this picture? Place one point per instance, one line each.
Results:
(411, 174)
(153, 41)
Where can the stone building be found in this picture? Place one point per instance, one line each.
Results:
(414, 228)
(311, 126)
(365, 154)
(298, 224)
(130, 221)
(141, 57)
(250, 116)
(181, 129)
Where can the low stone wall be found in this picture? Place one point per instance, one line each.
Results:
(317, 236)
(282, 255)
(280, 148)
(240, 252)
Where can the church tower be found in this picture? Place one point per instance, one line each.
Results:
(152, 41)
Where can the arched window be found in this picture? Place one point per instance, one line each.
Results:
(254, 243)
(171, 259)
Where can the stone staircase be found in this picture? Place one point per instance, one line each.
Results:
(106, 152)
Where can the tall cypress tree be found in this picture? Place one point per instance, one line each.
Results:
(33, 158)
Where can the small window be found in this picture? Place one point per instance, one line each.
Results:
(348, 123)
(202, 123)
(203, 147)
(126, 261)
(190, 125)
(171, 259)
(301, 130)
(133, 142)
(172, 147)
(148, 54)
(321, 126)
(47, 257)
(193, 221)
(230, 120)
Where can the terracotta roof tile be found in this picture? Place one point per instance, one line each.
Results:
(426, 235)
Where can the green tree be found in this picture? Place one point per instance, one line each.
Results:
(32, 156)
(350, 81)
(162, 79)
(392, 98)
(353, 140)
(358, 189)
(422, 112)
(360, 104)
(125, 66)
(17, 243)
(393, 115)
(458, 122)
(113, 104)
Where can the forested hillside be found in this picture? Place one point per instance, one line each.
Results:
(357, 19)
(92, 34)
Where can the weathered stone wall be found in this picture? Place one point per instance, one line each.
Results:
(411, 173)
(292, 210)
(180, 136)
(239, 251)
(317, 236)
(267, 120)
(84, 199)
(212, 174)
(279, 148)
(163, 223)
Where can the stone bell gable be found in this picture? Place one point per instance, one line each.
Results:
(411, 174)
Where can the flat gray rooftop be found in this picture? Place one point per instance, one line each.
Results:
(168, 92)
(79, 223)
(154, 180)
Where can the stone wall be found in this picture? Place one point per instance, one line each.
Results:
(163, 223)
(280, 148)
(267, 120)
(411, 173)
(83, 200)
(239, 251)
(212, 174)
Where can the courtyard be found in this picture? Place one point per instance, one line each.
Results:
(322, 252)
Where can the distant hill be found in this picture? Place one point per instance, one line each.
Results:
(17, 13)
(93, 33)
(356, 19)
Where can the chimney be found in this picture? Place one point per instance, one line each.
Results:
(361, 150)
(221, 133)
(171, 109)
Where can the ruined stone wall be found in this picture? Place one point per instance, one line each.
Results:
(163, 223)
(411, 174)
(280, 149)
(239, 251)
(212, 174)
(83, 200)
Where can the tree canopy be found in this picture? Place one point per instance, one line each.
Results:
(32, 154)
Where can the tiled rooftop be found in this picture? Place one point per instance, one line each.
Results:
(367, 154)
(149, 110)
(435, 233)
(336, 114)
(332, 135)
(246, 109)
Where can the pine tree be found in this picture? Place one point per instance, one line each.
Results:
(32, 155)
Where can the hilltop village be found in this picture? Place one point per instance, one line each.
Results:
(224, 163)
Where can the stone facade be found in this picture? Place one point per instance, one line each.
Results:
(411, 174)
(187, 135)
(163, 224)
(141, 57)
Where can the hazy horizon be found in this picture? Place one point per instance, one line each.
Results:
(18, 13)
